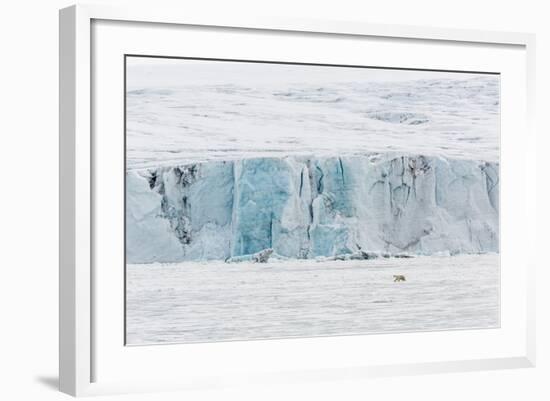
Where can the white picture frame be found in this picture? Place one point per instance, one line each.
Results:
(82, 344)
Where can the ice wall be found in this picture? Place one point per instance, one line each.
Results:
(305, 207)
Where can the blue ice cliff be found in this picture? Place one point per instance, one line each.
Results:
(308, 207)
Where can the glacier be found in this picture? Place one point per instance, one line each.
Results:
(263, 110)
(307, 207)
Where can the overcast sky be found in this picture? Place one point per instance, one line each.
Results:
(164, 72)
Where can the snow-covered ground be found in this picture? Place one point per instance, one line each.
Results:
(216, 301)
(183, 111)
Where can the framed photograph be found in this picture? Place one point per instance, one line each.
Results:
(286, 200)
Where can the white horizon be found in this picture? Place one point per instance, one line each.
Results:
(145, 72)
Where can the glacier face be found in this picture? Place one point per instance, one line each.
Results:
(307, 207)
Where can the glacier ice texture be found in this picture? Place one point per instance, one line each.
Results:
(308, 207)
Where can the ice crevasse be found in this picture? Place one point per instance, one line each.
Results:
(308, 207)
